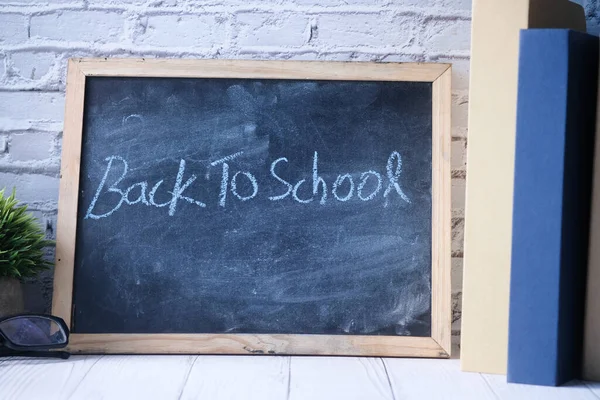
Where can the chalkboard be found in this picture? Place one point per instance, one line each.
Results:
(257, 206)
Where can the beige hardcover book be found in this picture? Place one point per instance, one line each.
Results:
(591, 343)
(490, 164)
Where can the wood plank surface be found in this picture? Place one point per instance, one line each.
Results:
(594, 387)
(48, 379)
(338, 378)
(572, 391)
(189, 377)
(427, 379)
(142, 377)
(242, 377)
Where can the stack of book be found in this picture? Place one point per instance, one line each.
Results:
(532, 230)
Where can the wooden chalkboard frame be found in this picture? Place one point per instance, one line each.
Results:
(437, 345)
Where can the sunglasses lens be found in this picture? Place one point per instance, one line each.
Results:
(33, 331)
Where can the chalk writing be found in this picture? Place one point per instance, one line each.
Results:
(179, 188)
(289, 185)
(340, 179)
(177, 192)
(252, 180)
(364, 177)
(110, 160)
(317, 180)
(393, 176)
(343, 188)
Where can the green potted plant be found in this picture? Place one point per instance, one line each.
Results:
(22, 244)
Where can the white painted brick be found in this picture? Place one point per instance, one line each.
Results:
(32, 65)
(456, 4)
(459, 131)
(41, 2)
(458, 194)
(376, 29)
(57, 146)
(31, 146)
(459, 155)
(460, 109)
(2, 66)
(446, 36)
(446, 5)
(456, 274)
(456, 310)
(333, 3)
(149, 3)
(458, 236)
(50, 222)
(32, 106)
(90, 26)
(31, 188)
(263, 29)
(357, 56)
(456, 325)
(460, 73)
(458, 213)
(182, 31)
(593, 28)
(13, 28)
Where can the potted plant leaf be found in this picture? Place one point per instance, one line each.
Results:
(22, 244)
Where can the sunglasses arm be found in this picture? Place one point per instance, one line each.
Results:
(43, 354)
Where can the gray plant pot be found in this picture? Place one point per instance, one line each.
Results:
(11, 297)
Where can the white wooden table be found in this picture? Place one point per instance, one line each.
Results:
(262, 378)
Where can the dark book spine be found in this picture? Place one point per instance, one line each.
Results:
(556, 113)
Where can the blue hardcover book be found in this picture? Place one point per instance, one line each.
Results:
(556, 112)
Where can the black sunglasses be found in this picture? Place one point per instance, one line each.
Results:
(33, 335)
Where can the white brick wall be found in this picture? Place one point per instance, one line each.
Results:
(271, 29)
(14, 28)
(36, 189)
(31, 146)
(38, 36)
(85, 26)
(3, 145)
(181, 31)
(592, 11)
(32, 106)
(32, 65)
(374, 29)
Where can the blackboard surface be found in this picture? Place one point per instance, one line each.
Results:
(254, 206)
